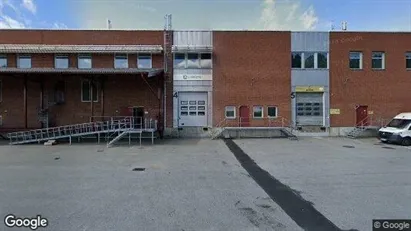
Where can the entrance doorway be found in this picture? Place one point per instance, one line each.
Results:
(244, 116)
(362, 115)
(138, 116)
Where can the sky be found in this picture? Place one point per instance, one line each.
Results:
(296, 15)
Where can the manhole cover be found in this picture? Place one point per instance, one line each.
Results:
(348, 146)
(388, 147)
(139, 169)
(57, 158)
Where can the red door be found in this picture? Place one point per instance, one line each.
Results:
(362, 115)
(244, 116)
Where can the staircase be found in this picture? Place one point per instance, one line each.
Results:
(121, 127)
(370, 124)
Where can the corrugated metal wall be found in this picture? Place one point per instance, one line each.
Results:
(200, 38)
(193, 38)
(311, 42)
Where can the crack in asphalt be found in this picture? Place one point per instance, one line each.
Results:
(299, 209)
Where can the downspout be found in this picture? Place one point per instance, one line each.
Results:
(165, 79)
(91, 99)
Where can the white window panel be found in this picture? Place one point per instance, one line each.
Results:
(145, 61)
(230, 112)
(258, 112)
(121, 61)
(61, 61)
(24, 61)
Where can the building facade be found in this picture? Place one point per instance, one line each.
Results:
(316, 81)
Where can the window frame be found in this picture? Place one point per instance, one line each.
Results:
(185, 60)
(382, 60)
(1, 91)
(407, 53)
(211, 60)
(234, 110)
(276, 112)
(120, 55)
(301, 61)
(80, 56)
(57, 56)
(316, 60)
(360, 60)
(19, 56)
(198, 60)
(262, 112)
(91, 96)
(4, 56)
(144, 54)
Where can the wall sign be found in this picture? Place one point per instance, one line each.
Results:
(334, 111)
(193, 77)
(309, 89)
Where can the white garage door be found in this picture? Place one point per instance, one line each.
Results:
(192, 109)
(309, 109)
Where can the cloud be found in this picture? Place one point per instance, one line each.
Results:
(59, 25)
(287, 15)
(29, 5)
(7, 22)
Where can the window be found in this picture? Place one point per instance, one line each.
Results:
(3, 61)
(61, 61)
(322, 60)
(407, 60)
(257, 112)
(144, 61)
(230, 112)
(179, 60)
(193, 61)
(86, 91)
(309, 109)
(272, 111)
(309, 60)
(378, 60)
(24, 61)
(84, 61)
(355, 60)
(296, 60)
(205, 60)
(121, 61)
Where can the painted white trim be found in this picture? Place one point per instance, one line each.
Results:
(18, 61)
(115, 57)
(84, 55)
(276, 112)
(61, 55)
(235, 112)
(151, 60)
(262, 112)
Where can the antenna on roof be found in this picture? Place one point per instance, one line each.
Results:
(109, 26)
(332, 25)
(167, 25)
(344, 25)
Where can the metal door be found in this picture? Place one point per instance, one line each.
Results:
(244, 116)
(310, 109)
(362, 115)
(192, 109)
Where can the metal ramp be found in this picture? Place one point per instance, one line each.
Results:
(126, 125)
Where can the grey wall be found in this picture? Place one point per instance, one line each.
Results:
(192, 38)
(311, 42)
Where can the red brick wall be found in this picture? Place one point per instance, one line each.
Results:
(81, 37)
(251, 68)
(386, 92)
(120, 91)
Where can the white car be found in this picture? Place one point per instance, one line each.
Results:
(398, 130)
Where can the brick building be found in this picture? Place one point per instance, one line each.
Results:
(332, 81)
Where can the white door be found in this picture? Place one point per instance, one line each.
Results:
(309, 109)
(192, 109)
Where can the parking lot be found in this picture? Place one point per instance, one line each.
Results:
(198, 184)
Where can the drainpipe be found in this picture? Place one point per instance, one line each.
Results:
(25, 101)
